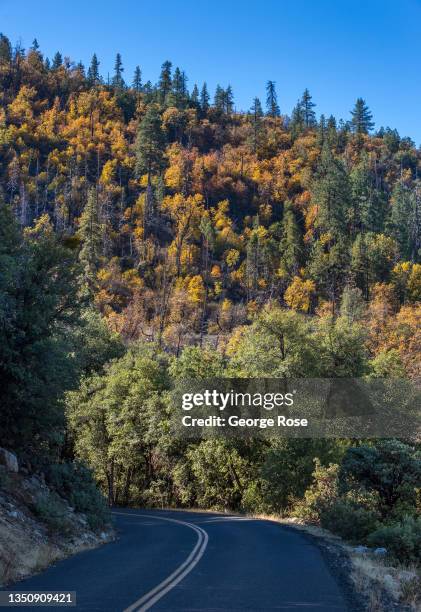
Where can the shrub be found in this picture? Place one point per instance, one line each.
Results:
(389, 468)
(321, 493)
(74, 482)
(348, 520)
(52, 511)
(402, 541)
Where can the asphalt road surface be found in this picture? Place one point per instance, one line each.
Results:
(188, 561)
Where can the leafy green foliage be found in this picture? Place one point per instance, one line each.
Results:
(74, 482)
(402, 540)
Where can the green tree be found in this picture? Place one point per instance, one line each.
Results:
(219, 99)
(116, 418)
(331, 194)
(37, 307)
(368, 204)
(118, 81)
(93, 76)
(361, 118)
(278, 344)
(307, 105)
(256, 112)
(272, 107)
(57, 61)
(165, 81)
(204, 98)
(194, 98)
(389, 468)
(150, 143)
(291, 246)
(137, 80)
(297, 123)
(405, 219)
(5, 50)
(91, 237)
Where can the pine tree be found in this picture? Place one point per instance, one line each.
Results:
(219, 99)
(405, 219)
(271, 100)
(150, 143)
(57, 61)
(178, 88)
(368, 205)
(307, 106)
(137, 80)
(297, 123)
(256, 121)
(228, 100)
(90, 232)
(118, 81)
(321, 131)
(194, 98)
(331, 195)
(361, 118)
(5, 50)
(291, 243)
(204, 98)
(165, 81)
(93, 72)
(332, 131)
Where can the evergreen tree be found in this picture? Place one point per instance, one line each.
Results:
(307, 106)
(321, 131)
(137, 80)
(38, 307)
(361, 118)
(291, 246)
(257, 125)
(150, 143)
(179, 88)
(5, 50)
(90, 232)
(297, 123)
(331, 195)
(204, 98)
(195, 95)
(219, 99)
(93, 72)
(57, 61)
(165, 81)
(405, 219)
(271, 100)
(118, 81)
(368, 206)
(228, 100)
(331, 132)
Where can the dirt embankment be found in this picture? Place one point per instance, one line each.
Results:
(37, 527)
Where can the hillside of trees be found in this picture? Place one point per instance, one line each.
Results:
(153, 231)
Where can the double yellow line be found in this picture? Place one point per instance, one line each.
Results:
(149, 599)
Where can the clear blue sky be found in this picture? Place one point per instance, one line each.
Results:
(339, 49)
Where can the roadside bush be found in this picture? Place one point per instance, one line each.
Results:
(321, 494)
(74, 482)
(348, 520)
(402, 541)
(390, 469)
(52, 511)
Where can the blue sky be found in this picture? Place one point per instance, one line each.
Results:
(339, 49)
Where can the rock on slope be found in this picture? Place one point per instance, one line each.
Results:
(32, 534)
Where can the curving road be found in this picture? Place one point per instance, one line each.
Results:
(189, 561)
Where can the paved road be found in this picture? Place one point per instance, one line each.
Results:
(185, 561)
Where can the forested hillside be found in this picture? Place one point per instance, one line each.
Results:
(154, 231)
